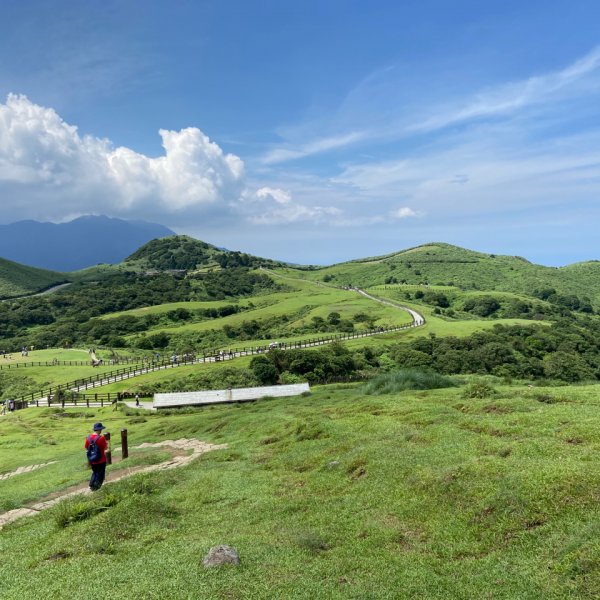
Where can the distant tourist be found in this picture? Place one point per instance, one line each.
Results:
(137, 399)
(95, 445)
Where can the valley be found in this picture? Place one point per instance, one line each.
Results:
(447, 438)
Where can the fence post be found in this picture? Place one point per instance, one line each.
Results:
(108, 452)
(124, 446)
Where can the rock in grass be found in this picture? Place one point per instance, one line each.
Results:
(221, 555)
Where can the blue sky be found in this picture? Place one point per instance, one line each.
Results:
(310, 131)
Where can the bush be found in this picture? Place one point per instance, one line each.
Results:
(478, 389)
(406, 379)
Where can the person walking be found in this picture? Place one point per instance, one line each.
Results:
(137, 399)
(98, 459)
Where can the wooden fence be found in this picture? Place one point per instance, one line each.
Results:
(57, 393)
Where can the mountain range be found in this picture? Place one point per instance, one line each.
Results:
(80, 243)
(433, 264)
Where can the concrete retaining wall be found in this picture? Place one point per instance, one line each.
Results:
(231, 395)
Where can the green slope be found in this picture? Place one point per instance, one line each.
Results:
(337, 495)
(20, 280)
(444, 264)
(181, 252)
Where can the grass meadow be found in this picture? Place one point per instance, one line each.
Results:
(339, 494)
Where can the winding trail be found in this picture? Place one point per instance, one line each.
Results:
(50, 290)
(184, 452)
(418, 320)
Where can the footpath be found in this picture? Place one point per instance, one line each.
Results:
(184, 451)
(45, 398)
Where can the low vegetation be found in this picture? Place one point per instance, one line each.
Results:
(406, 379)
(427, 470)
(422, 494)
(21, 280)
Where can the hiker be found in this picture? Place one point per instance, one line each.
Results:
(137, 399)
(97, 460)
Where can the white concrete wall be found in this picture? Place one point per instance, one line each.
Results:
(230, 395)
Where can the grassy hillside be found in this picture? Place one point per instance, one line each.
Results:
(19, 280)
(181, 252)
(443, 264)
(337, 495)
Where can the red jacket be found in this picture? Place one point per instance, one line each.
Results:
(101, 443)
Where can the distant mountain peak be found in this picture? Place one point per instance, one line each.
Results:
(76, 244)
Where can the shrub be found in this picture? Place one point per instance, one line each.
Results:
(406, 379)
(478, 389)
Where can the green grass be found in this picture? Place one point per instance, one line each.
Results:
(440, 264)
(336, 495)
(164, 308)
(57, 375)
(20, 280)
(406, 379)
(60, 354)
(299, 308)
(170, 376)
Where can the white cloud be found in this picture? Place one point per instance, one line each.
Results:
(277, 207)
(316, 146)
(403, 213)
(510, 97)
(495, 173)
(280, 196)
(383, 108)
(293, 213)
(48, 170)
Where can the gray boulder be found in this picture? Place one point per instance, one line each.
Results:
(221, 555)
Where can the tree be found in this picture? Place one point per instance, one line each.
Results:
(333, 318)
(566, 367)
(264, 370)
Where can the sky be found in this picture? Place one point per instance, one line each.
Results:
(311, 131)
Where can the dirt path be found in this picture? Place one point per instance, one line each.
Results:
(418, 319)
(184, 451)
(26, 469)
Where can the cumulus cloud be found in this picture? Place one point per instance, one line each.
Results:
(280, 196)
(277, 207)
(48, 170)
(403, 213)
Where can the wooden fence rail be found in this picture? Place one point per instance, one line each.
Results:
(57, 394)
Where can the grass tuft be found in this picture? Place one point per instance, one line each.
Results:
(311, 542)
(406, 379)
(478, 390)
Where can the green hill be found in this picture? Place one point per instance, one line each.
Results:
(20, 280)
(181, 252)
(444, 264)
(424, 494)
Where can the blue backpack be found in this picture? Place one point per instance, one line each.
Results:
(93, 451)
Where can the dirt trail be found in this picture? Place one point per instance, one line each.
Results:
(26, 469)
(183, 452)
